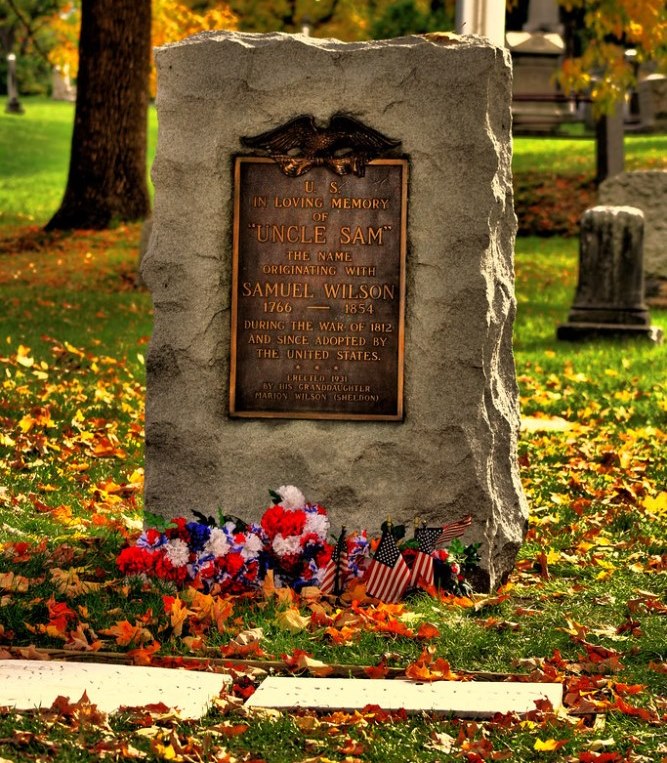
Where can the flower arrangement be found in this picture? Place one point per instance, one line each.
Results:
(230, 556)
(225, 558)
(293, 533)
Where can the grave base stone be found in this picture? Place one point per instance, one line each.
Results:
(468, 699)
(29, 684)
(447, 100)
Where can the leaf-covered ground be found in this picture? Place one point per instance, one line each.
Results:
(586, 605)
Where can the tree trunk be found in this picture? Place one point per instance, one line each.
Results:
(107, 170)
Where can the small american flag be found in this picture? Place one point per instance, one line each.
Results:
(335, 573)
(422, 566)
(388, 574)
(454, 530)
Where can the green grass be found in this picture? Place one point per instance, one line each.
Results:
(34, 150)
(568, 156)
(34, 155)
(72, 337)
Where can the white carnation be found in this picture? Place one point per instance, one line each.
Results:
(177, 552)
(317, 523)
(252, 546)
(291, 497)
(283, 546)
(217, 544)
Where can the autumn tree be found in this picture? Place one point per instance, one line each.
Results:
(602, 30)
(107, 171)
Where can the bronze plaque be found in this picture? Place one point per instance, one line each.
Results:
(318, 292)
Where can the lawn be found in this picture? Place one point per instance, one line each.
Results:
(586, 604)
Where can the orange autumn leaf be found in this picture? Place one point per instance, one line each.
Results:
(624, 689)
(243, 651)
(392, 627)
(60, 615)
(125, 633)
(427, 667)
(640, 712)
(144, 655)
(232, 730)
(377, 671)
(301, 660)
(178, 614)
(342, 635)
(427, 631)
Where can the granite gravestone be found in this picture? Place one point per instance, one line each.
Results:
(339, 320)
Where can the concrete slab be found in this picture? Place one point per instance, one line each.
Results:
(27, 684)
(480, 699)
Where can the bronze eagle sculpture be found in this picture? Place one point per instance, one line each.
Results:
(345, 145)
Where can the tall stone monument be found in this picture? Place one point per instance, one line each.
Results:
(331, 269)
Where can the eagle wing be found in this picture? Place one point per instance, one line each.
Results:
(358, 136)
(286, 138)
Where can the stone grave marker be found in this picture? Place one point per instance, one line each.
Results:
(469, 699)
(646, 190)
(609, 301)
(28, 684)
(331, 266)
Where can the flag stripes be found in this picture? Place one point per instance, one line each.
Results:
(454, 529)
(335, 573)
(388, 574)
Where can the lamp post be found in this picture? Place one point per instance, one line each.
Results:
(13, 105)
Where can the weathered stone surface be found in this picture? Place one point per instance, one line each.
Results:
(455, 452)
(647, 190)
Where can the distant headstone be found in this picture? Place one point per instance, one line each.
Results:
(61, 86)
(469, 699)
(646, 190)
(609, 300)
(652, 95)
(331, 269)
(538, 103)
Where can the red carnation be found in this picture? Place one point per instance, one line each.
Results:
(135, 560)
(180, 531)
(234, 564)
(272, 521)
(293, 522)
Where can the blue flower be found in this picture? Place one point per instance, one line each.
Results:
(199, 534)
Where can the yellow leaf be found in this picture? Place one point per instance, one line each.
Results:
(292, 620)
(656, 504)
(548, 745)
(552, 556)
(23, 357)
